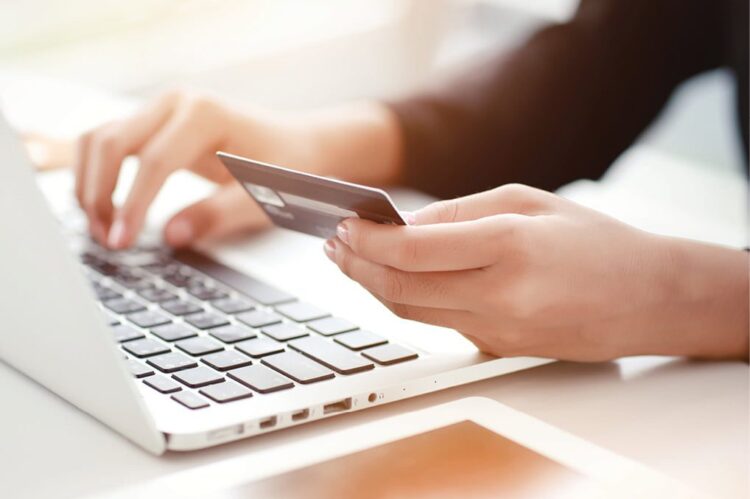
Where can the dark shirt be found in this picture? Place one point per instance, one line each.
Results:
(567, 102)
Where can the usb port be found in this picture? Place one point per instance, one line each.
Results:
(301, 415)
(268, 423)
(338, 406)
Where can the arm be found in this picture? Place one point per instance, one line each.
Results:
(358, 142)
(562, 106)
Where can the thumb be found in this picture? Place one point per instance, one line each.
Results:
(510, 198)
(227, 212)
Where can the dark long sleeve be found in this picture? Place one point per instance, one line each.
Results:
(567, 102)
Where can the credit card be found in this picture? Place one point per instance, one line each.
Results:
(309, 203)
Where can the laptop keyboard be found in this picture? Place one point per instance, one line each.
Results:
(203, 334)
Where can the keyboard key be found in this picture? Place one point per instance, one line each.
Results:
(199, 345)
(226, 392)
(265, 294)
(232, 305)
(260, 347)
(232, 333)
(169, 268)
(174, 332)
(139, 370)
(331, 325)
(198, 376)
(299, 368)
(206, 320)
(301, 312)
(228, 359)
(148, 319)
(179, 279)
(110, 319)
(132, 281)
(261, 379)
(124, 306)
(389, 354)
(358, 340)
(88, 258)
(145, 348)
(332, 355)
(181, 307)
(258, 291)
(284, 331)
(104, 293)
(163, 384)
(161, 268)
(206, 293)
(172, 362)
(125, 333)
(157, 295)
(259, 318)
(190, 400)
(105, 268)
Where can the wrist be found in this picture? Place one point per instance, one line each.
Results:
(704, 299)
(358, 142)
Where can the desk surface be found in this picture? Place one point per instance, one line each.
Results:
(686, 419)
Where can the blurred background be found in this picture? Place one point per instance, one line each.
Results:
(290, 54)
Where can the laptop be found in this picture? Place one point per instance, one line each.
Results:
(176, 351)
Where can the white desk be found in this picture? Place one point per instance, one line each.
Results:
(686, 419)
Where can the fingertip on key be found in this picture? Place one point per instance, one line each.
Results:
(118, 235)
(179, 232)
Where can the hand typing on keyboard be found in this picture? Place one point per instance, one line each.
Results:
(180, 130)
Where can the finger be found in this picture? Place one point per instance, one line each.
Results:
(177, 144)
(451, 290)
(79, 166)
(227, 212)
(479, 343)
(509, 198)
(463, 245)
(96, 228)
(211, 168)
(105, 150)
(453, 319)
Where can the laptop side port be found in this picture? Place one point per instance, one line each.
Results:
(338, 406)
(268, 423)
(301, 415)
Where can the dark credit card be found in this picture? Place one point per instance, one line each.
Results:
(309, 203)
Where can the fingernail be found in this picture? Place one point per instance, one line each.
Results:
(330, 249)
(179, 232)
(343, 232)
(409, 217)
(117, 235)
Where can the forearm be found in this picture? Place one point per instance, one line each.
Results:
(705, 296)
(358, 142)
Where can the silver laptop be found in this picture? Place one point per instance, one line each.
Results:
(179, 352)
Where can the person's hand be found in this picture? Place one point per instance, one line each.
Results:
(358, 141)
(520, 271)
(177, 130)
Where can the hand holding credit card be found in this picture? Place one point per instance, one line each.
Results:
(309, 203)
